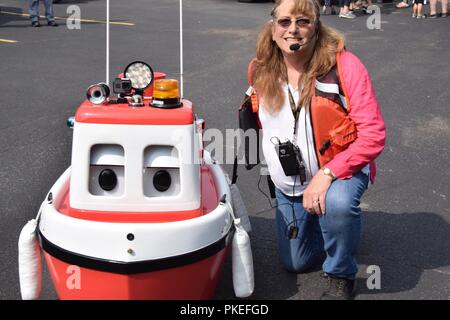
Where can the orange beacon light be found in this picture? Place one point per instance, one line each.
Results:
(166, 94)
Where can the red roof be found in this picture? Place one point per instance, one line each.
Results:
(124, 114)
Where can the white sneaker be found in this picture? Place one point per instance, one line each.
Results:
(347, 15)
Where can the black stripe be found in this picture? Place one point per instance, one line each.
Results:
(331, 77)
(168, 103)
(134, 267)
(330, 96)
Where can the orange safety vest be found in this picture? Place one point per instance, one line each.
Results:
(333, 130)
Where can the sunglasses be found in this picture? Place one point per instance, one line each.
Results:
(286, 22)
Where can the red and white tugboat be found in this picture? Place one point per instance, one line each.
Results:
(143, 212)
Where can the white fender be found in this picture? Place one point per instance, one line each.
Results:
(30, 265)
(30, 261)
(242, 259)
(241, 251)
(242, 262)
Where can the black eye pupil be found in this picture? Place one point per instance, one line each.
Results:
(162, 180)
(107, 179)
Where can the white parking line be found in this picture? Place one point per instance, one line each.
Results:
(60, 18)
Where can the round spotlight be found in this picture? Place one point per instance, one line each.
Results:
(98, 93)
(140, 74)
(107, 179)
(162, 180)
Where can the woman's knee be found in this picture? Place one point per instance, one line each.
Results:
(340, 204)
(343, 197)
(341, 211)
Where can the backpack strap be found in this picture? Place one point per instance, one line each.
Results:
(251, 91)
(250, 72)
(341, 79)
(234, 174)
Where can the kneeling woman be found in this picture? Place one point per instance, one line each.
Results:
(317, 98)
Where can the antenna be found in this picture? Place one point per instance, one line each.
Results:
(181, 48)
(107, 42)
(181, 45)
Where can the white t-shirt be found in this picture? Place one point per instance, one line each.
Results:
(281, 125)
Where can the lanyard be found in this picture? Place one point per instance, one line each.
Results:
(295, 111)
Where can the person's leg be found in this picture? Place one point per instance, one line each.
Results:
(433, 8)
(419, 10)
(402, 4)
(343, 8)
(366, 5)
(333, 4)
(49, 10)
(345, 12)
(326, 5)
(33, 9)
(351, 6)
(444, 8)
(341, 225)
(347, 6)
(304, 251)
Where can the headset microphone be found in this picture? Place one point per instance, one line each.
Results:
(295, 46)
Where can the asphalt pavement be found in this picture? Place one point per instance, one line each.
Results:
(45, 72)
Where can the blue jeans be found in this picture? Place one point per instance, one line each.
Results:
(338, 232)
(33, 8)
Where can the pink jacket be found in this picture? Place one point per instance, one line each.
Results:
(366, 114)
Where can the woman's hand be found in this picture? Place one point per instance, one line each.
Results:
(314, 194)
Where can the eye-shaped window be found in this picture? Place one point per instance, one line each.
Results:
(161, 171)
(106, 170)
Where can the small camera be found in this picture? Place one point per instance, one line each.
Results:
(122, 86)
(291, 159)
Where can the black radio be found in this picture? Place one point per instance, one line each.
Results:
(291, 160)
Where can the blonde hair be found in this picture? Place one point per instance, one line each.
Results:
(269, 67)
